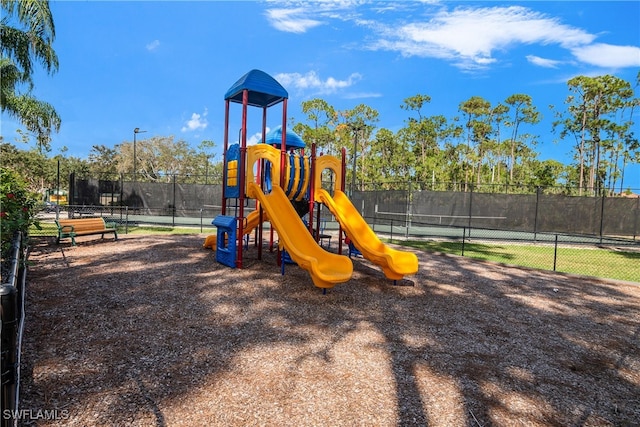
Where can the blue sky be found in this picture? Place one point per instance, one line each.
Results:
(165, 66)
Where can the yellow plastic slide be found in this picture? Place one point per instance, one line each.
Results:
(326, 269)
(394, 263)
(253, 220)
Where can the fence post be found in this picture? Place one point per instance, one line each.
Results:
(375, 212)
(470, 206)
(121, 199)
(555, 253)
(9, 298)
(602, 216)
(391, 232)
(173, 210)
(58, 184)
(535, 218)
(464, 232)
(409, 207)
(71, 199)
(635, 221)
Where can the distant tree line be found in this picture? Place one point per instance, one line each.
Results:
(488, 144)
(484, 145)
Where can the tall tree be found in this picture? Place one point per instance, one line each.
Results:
(103, 160)
(478, 113)
(356, 130)
(420, 133)
(548, 173)
(593, 104)
(158, 158)
(206, 152)
(494, 147)
(390, 160)
(522, 111)
(626, 143)
(27, 32)
(320, 127)
(453, 164)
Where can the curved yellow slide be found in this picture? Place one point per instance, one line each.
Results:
(326, 269)
(395, 264)
(253, 220)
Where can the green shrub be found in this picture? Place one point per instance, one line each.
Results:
(18, 208)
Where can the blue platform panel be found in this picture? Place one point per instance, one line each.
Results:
(226, 249)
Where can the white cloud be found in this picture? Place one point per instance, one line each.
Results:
(543, 62)
(299, 16)
(470, 36)
(608, 56)
(197, 122)
(291, 20)
(362, 95)
(312, 82)
(255, 138)
(153, 46)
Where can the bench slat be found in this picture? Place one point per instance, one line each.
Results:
(70, 228)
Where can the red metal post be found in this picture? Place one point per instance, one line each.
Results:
(312, 185)
(242, 175)
(343, 171)
(261, 172)
(283, 147)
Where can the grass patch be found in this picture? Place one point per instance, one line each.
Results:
(46, 229)
(614, 264)
(597, 262)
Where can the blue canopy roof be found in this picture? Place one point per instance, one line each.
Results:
(264, 90)
(292, 139)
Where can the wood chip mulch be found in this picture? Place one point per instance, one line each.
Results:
(152, 331)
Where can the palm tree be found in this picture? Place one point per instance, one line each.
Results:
(26, 37)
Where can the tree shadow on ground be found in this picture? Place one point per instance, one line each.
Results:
(141, 332)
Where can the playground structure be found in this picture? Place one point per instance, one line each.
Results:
(277, 178)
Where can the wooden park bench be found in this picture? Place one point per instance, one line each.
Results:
(71, 228)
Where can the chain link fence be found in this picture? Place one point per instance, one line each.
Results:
(586, 235)
(609, 257)
(537, 227)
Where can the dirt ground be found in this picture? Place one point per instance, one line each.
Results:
(151, 331)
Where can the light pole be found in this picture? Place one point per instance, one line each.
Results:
(136, 131)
